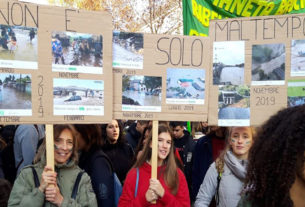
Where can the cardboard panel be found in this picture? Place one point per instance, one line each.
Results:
(273, 53)
(173, 83)
(37, 84)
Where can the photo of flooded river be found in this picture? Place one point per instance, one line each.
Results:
(141, 90)
(15, 91)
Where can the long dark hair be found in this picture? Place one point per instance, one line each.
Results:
(170, 172)
(91, 134)
(121, 139)
(274, 158)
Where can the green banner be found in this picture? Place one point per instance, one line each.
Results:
(198, 13)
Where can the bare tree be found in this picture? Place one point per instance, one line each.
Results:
(151, 16)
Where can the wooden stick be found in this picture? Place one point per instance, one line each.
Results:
(50, 146)
(154, 153)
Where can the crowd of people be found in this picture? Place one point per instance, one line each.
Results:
(226, 166)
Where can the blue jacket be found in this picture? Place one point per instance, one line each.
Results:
(202, 159)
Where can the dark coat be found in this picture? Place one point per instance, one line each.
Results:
(187, 143)
(133, 136)
(121, 156)
(202, 159)
(96, 164)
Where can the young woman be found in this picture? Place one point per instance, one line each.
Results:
(95, 162)
(225, 177)
(55, 188)
(117, 149)
(170, 189)
(276, 172)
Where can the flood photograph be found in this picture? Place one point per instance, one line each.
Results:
(15, 94)
(18, 47)
(77, 52)
(185, 86)
(127, 50)
(228, 63)
(297, 58)
(268, 64)
(78, 96)
(234, 102)
(296, 92)
(141, 93)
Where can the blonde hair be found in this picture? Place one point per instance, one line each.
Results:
(219, 162)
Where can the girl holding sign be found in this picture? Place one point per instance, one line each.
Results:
(225, 177)
(170, 189)
(38, 185)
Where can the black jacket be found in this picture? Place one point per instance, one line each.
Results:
(133, 136)
(121, 156)
(185, 146)
(96, 164)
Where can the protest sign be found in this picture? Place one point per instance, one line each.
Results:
(55, 64)
(251, 81)
(160, 77)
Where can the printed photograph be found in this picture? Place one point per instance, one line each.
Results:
(78, 96)
(234, 102)
(83, 51)
(297, 58)
(185, 86)
(228, 63)
(15, 94)
(18, 47)
(144, 92)
(268, 63)
(296, 92)
(128, 50)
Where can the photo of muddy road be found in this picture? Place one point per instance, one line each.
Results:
(77, 49)
(127, 50)
(15, 91)
(228, 63)
(268, 62)
(18, 43)
(234, 102)
(78, 92)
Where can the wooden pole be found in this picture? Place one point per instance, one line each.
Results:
(154, 154)
(50, 146)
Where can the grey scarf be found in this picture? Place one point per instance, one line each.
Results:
(238, 167)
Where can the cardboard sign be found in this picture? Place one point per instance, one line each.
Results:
(55, 64)
(267, 55)
(160, 77)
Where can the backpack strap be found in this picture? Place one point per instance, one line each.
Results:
(76, 184)
(36, 180)
(137, 183)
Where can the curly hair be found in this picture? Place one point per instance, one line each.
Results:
(274, 157)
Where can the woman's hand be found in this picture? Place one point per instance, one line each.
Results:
(53, 195)
(48, 177)
(150, 195)
(155, 185)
